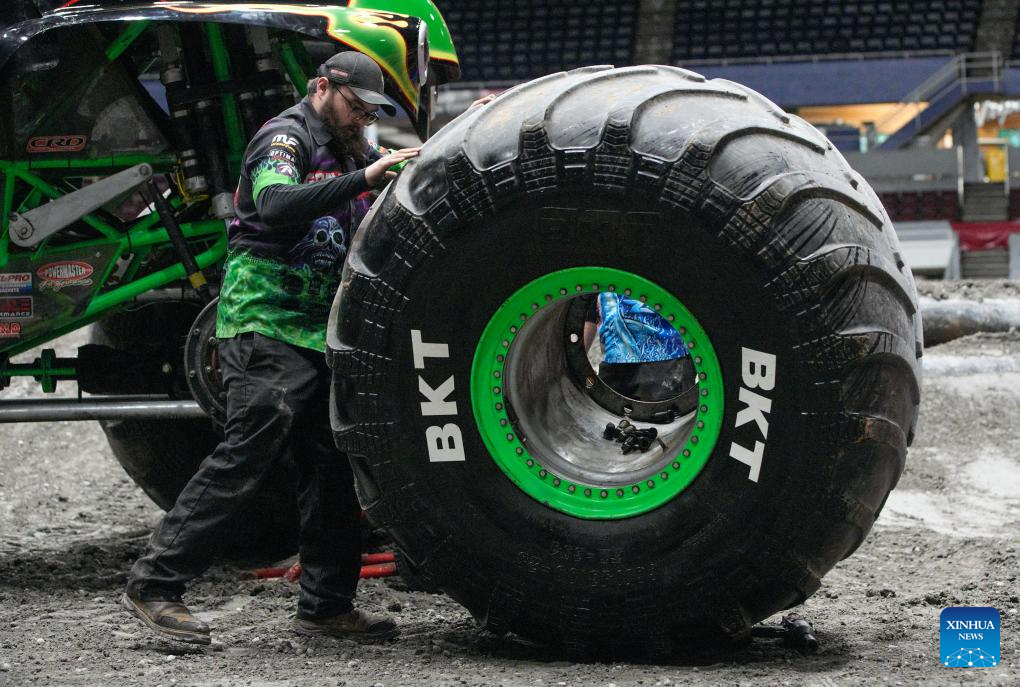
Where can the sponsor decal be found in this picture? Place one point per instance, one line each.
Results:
(10, 330)
(338, 72)
(288, 143)
(58, 275)
(757, 371)
(277, 154)
(286, 169)
(444, 441)
(969, 637)
(56, 144)
(16, 307)
(16, 282)
(319, 175)
(285, 140)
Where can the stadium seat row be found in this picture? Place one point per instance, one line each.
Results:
(730, 29)
(910, 206)
(525, 39)
(528, 38)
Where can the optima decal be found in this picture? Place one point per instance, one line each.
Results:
(56, 144)
(58, 275)
(16, 308)
(16, 282)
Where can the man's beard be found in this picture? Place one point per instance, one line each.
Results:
(350, 137)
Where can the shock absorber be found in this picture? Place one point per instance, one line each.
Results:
(206, 113)
(277, 97)
(250, 100)
(277, 94)
(181, 116)
(248, 103)
(208, 132)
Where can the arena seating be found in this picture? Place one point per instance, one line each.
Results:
(1014, 203)
(515, 41)
(913, 206)
(1015, 52)
(861, 51)
(525, 39)
(720, 29)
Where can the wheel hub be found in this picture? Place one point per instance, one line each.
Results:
(542, 415)
(201, 364)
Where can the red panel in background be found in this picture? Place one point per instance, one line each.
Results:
(985, 235)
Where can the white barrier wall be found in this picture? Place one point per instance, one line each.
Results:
(917, 169)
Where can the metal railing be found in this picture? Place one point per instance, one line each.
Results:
(730, 61)
(960, 72)
(818, 57)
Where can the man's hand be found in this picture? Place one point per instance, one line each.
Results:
(379, 170)
(482, 101)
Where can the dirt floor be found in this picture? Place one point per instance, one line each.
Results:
(71, 523)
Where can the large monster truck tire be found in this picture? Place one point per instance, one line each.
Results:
(480, 451)
(161, 456)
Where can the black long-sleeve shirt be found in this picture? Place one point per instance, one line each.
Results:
(293, 175)
(284, 204)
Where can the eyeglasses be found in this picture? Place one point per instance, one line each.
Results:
(369, 118)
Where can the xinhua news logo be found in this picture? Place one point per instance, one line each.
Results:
(969, 637)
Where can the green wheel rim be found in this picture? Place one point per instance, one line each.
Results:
(542, 483)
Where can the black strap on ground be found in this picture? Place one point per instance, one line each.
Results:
(796, 631)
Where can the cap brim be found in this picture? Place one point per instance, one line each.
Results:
(373, 98)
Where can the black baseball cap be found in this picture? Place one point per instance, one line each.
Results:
(361, 74)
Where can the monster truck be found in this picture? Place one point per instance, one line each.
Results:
(123, 128)
(486, 434)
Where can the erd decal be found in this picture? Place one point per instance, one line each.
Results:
(56, 144)
(10, 330)
(16, 307)
(55, 276)
(16, 282)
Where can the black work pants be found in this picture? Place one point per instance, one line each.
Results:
(277, 399)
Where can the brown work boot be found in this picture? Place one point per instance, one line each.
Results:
(355, 624)
(170, 619)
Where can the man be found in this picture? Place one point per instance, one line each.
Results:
(303, 190)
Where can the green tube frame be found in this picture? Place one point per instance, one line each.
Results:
(138, 241)
(209, 237)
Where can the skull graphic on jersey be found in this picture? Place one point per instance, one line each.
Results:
(323, 248)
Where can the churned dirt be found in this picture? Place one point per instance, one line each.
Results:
(71, 523)
(969, 289)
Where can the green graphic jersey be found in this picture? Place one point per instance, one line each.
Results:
(298, 203)
(286, 303)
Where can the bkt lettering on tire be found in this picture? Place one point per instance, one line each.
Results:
(444, 441)
(757, 371)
